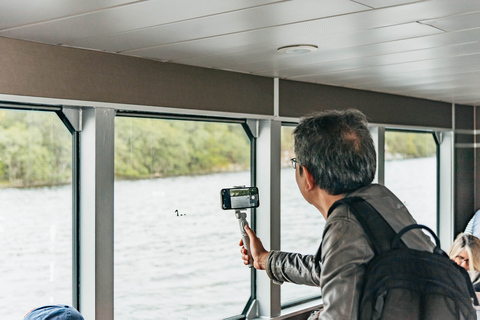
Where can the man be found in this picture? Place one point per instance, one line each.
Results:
(335, 158)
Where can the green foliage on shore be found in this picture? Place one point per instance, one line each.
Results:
(147, 148)
(36, 148)
(287, 147)
(406, 145)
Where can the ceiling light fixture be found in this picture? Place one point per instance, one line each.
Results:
(297, 49)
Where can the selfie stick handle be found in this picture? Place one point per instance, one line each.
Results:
(242, 222)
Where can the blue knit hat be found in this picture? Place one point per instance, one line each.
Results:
(58, 312)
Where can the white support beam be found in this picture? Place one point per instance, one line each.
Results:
(446, 185)
(268, 214)
(74, 117)
(96, 214)
(378, 135)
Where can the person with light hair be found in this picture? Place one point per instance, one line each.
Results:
(465, 251)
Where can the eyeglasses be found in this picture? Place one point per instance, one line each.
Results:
(294, 163)
(460, 260)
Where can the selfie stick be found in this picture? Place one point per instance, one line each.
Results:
(242, 222)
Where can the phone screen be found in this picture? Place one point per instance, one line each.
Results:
(240, 198)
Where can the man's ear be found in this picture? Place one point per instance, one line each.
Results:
(309, 180)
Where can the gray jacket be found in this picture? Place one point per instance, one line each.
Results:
(345, 252)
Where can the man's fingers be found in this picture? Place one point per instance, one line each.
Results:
(245, 259)
(249, 232)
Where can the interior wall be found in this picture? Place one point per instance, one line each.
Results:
(464, 164)
(41, 70)
(477, 159)
(298, 98)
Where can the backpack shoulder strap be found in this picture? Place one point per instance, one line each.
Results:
(379, 232)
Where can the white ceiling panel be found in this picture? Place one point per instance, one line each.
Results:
(471, 79)
(273, 38)
(263, 57)
(285, 14)
(402, 72)
(15, 13)
(311, 23)
(419, 77)
(456, 22)
(123, 19)
(385, 3)
(440, 90)
(420, 56)
(359, 39)
(427, 49)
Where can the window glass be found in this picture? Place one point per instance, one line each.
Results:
(411, 173)
(176, 251)
(36, 212)
(301, 223)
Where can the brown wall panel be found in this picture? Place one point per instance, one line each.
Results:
(464, 188)
(297, 99)
(477, 118)
(464, 138)
(477, 160)
(466, 184)
(464, 117)
(34, 69)
(476, 173)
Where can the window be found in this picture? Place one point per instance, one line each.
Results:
(36, 212)
(411, 173)
(301, 223)
(176, 253)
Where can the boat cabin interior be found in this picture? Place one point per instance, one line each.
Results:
(107, 73)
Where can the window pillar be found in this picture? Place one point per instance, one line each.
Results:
(446, 189)
(96, 214)
(378, 135)
(268, 214)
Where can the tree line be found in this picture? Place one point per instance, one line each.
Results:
(146, 148)
(406, 145)
(36, 148)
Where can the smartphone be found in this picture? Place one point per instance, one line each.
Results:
(239, 198)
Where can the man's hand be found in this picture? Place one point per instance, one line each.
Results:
(258, 252)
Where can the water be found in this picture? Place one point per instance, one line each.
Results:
(36, 255)
(414, 182)
(176, 250)
(167, 266)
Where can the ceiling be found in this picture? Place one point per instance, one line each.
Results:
(426, 49)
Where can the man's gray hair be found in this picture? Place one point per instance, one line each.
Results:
(337, 149)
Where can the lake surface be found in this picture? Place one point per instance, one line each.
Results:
(176, 251)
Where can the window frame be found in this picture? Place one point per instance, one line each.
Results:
(70, 119)
(436, 140)
(93, 286)
(251, 130)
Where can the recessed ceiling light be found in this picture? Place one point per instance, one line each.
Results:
(297, 49)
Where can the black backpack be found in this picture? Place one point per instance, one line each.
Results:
(402, 283)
